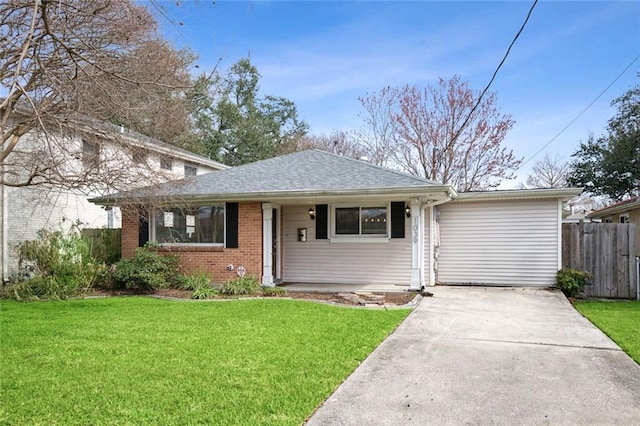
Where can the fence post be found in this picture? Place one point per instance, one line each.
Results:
(637, 278)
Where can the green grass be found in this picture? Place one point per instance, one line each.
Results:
(620, 320)
(146, 361)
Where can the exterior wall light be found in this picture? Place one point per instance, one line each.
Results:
(312, 213)
(407, 210)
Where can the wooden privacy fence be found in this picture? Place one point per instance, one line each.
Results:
(607, 251)
(105, 243)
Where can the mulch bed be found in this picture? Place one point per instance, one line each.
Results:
(388, 299)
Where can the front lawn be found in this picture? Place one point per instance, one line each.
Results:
(620, 320)
(139, 360)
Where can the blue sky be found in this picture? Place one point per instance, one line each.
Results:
(324, 55)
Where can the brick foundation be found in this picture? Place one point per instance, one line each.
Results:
(211, 260)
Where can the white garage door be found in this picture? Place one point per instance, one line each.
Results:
(499, 243)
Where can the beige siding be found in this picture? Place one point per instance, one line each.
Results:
(427, 250)
(323, 261)
(499, 243)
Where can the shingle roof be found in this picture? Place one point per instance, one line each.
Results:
(304, 172)
(621, 206)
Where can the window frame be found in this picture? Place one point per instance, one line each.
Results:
(166, 160)
(360, 237)
(152, 227)
(192, 166)
(91, 160)
(623, 218)
(139, 155)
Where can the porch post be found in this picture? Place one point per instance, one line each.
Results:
(267, 244)
(417, 245)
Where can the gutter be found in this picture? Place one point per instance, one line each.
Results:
(522, 194)
(419, 192)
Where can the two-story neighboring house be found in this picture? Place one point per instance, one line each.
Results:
(126, 159)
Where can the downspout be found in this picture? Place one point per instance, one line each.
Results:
(433, 277)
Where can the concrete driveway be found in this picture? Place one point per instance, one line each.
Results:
(490, 356)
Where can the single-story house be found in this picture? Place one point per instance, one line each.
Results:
(317, 217)
(627, 211)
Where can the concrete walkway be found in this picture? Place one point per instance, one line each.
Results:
(490, 356)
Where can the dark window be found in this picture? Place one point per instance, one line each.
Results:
(199, 225)
(361, 221)
(373, 220)
(90, 155)
(138, 155)
(190, 170)
(624, 218)
(347, 221)
(166, 163)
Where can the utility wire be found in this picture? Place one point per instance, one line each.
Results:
(581, 112)
(493, 77)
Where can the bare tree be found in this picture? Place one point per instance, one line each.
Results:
(65, 60)
(432, 137)
(377, 136)
(549, 172)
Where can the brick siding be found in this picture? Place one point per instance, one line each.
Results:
(211, 260)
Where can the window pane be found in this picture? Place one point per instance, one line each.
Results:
(374, 220)
(90, 155)
(190, 170)
(166, 163)
(347, 221)
(210, 224)
(202, 225)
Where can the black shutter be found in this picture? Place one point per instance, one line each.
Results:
(397, 219)
(231, 218)
(322, 217)
(143, 231)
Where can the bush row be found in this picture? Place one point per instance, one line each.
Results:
(60, 265)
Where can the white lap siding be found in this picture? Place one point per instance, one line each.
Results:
(323, 261)
(499, 243)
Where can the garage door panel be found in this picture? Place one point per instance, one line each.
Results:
(499, 243)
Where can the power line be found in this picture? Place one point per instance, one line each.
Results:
(493, 77)
(581, 112)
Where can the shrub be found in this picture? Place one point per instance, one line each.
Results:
(195, 280)
(240, 286)
(204, 292)
(200, 285)
(572, 281)
(147, 270)
(56, 265)
(273, 291)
